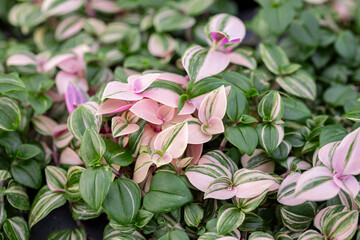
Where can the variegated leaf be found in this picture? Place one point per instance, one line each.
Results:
(73, 183)
(300, 84)
(321, 216)
(60, 7)
(114, 32)
(3, 214)
(271, 107)
(251, 183)
(260, 236)
(55, 178)
(243, 58)
(250, 204)
(311, 235)
(342, 225)
(270, 136)
(81, 211)
(286, 193)
(82, 118)
(94, 26)
(344, 199)
(9, 114)
(112, 234)
(4, 175)
(44, 202)
(229, 218)
(16, 228)
(10, 82)
(68, 234)
(200, 63)
(92, 147)
(193, 214)
(161, 45)
(68, 27)
(26, 15)
(298, 218)
(259, 160)
(220, 188)
(273, 57)
(17, 196)
(170, 19)
(44, 125)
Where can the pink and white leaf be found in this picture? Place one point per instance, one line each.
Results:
(142, 166)
(213, 105)
(70, 157)
(120, 126)
(221, 188)
(140, 83)
(121, 91)
(112, 106)
(287, 190)
(44, 125)
(147, 109)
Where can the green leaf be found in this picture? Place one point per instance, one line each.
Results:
(306, 32)
(143, 218)
(37, 83)
(169, 20)
(55, 177)
(3, 214)
(135, 137)
(10, 82)
(9, 114)
(94, 185)
(123, 201)
(339, 95)
(68, 234)
(27, 173)
(15, 228)
(27, 151)
(353, 114)
(167, 192)
(114, 153)
(92, 147)
(229, 218)
(175, 235)
(299, 217)
(261, 235)
(278, 17)
(238, 81)
(300, 84)
(73, 183)
(244, 137)
(204, 86)
(252, 222)
(238, 105)
(332, 133)
(17, 196)
(346, 45)
(274, 57)
(295, 109)
(270, 136)
(44, 202)
(41, 103)
(81, 211)
(193, 214)
(4, 175)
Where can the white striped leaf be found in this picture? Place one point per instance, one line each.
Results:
(94, 26)
(259, 160)
(143, 218)
(44, 125)
(353, 114)
(94, 185)
(135, 138)
(311, 235)
(16, 228)
(44, 202)
(112, 234)
(298, 218)
(270, 136)
(68, 27)
(60, 7)
(55, 178)
(244, 58)
(168, 20)
(342, 225)
(9, 114)
(220, 188)
(274, 57)
(122, 228)
(4, 175)
(68, 234)
(115, 31)
(261, 236)
(195, 7)
(3, 214)
(26, 15)
(193, 214)
(286, 192)
(17, 196)
(300, 84)
(200, 63)
(81, 211)
(345, 199)
(271, 107)
(23, 62)
(282, 151)
(161, 45)
(229, 218)
(10, 82)
(250, 204)
(252, 183)
(73, 183)
(92, 147)
(123, 201)
(321, 216)
(84, 117)
(283, 236)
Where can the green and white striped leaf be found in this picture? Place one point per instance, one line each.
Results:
(4, 175)
(94, 185)
(135, 138)
(16, 228)
(345, 199)
(17, 196)
(23, 62)
(68, 27)
(259, 160)
(84, 117)
(114, 32)
(26, 15)
(123, 201)
(274, 57)
(55, 178)
(353, 114)
(218, 187)
(271, 107)
(44, 125)
(319, 221)
(300, 84)
(9, 114)
(81, 211)
(112, 234)
(298, 218)
(92, 147)
(261, 236)
(311, 235)
(10, 82)
(3, 214)
(44, 202)
(60, 7)
(175, 234)
(270, 136)
(122, 228)
(193, 214)
(250, 204)
(229, 218)
(342, 225)
(68, 234)
(161, 45)
(168, 20)
(94, 26)
(73, 183)
(286, 192)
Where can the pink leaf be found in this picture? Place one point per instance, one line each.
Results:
(173, 77)
(221, 188)
(162, 160)
(140, 83)
(121, 91)
(197, 136)
(326, 153)
(74, 97)
(348, 183)
(69, 156)
(142, 166)
(165, 113)
(214, 63)
(239, 59)
(164, 96)
(112, 106)
(213, 105)
(20, 60)
(147, 109)
(121, 127)
(213, 126)
(287, 189)
(54, 61)
(195, 151)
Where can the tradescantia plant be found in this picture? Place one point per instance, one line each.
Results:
(169, 120)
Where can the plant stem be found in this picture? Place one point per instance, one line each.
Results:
(55, 155)
(223, 144)
(243, 235)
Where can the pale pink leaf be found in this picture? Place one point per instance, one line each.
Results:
(213, 105)
(69, 156)
(112, 106)
(164, 96)
(348, 183)
(326, 153)
(147, 109)
(121, 91)
(213, 126)
(287, 189)
(142, 166)
(214, 63)
(221, 188)
(165, 113)
(140, 83)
